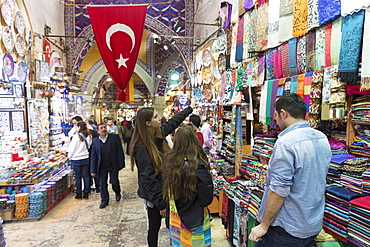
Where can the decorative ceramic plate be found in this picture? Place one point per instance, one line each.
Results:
(221, 63)
(8, 38)
(19, 23)
(20, 45)
(207, 91)
(22, 71)
(30, 39)
(206, 75)
(8, 64)
(7, 12)
(206, 57)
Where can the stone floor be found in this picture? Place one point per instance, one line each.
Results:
(81, 223)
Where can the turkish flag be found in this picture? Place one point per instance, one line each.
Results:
(47, 51)
(118, 30)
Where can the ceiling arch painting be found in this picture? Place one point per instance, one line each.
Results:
(161, 18)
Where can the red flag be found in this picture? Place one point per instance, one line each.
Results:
(118, 30)
(47, 51)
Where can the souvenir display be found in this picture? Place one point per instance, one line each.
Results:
(8, 63)
(8, 38)
(18, 121)
(4, 122)
(22, 71)
(222, 63)
(207, 91)
(19, 23)
(20, 45)
(207, 58)
(30, 39)
(6, 103)
(7, 12)
(206, 75)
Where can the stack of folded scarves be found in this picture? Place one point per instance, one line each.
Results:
(352, 181)
(361, 144)
(366, 182)
(263, 145)
(338, 147)
(255, 202)
(336, 167)
(336, 213)
(359, 223)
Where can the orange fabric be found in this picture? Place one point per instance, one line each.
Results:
(300, 88)
(300, 14)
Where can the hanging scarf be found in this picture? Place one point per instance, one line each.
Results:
(307, 90)
(292, 57)
(348, 7)
(365, 68)
(270, 63)
(274, 88)
(286, 20)
(229, 40)
(262, 110)
(336, 35)
(320, 48)
(233, 63)
(328, 10)
(284, 49)
(281, 87)
(269, 100)
(310, 50)
(239, 41)
(326, 84)
(248, 4)
(294, 84)
(300, 86)
(262, 27)
(261, 71)
(247, 20)
(277, 64)
(300, 12)
(225, 14)
(234, 11)
(313, 14)
(301, 55)
(251, 30)
(273, 28)
(352, 26)
(328, 28)
(287, 85)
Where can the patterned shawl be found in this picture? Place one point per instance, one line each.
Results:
(229, 40)
(277, 64)
(365, 68)
(313, 14)
(262, 27)
(239, 41)
(234, 27)
(270, 63)
(300, 23)
(320, 48)
(348, 7)
(301, 55)
(336, 35)
(310, 50)
(326, 84)
(349, 57)
(284, 48)
(294, 84)
(273, 29)
(307, 90)
(328, 10)
(292, 44)
(261, 71)
(328, 28)
(250, 29)
(286, 20)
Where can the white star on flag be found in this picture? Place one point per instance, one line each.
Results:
(121, 61)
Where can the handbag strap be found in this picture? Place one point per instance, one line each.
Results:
(87, 145)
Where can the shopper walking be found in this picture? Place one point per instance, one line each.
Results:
(111, 128)
(147, 149)
(127, 135)
(107, 158)
(73, 131)
(188, 187)
(207, 134)
(292, 207)
(78, 153)
(195, 120)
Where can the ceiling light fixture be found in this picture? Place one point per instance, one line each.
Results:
(109, 79)
(158, 76)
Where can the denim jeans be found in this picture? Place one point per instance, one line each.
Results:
(278, 237)
(81, 171)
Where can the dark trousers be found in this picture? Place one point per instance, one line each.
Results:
(276, 236)
(113, 179)
(81, 171)
(155, 220)
(127, 140)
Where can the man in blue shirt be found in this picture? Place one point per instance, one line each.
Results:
(292, 207)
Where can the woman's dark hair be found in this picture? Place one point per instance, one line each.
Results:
(195, 119)
(129, 125)
(293, 104)
(84, 130)
(180, 180)
(77, 118)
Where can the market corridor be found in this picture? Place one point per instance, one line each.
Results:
(81, 223)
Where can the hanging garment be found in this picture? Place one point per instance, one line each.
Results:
(225, 14)
(262, 27)
(301, 55)
(251, 30)
(313, 14)
(285, 20)
(348, 7)
(239, 41)
(307, 90)
(300, 12)
(352, 30)
(328, 10)
(261, 71)
(310, 51)
(277, 64)
(365, 68)
(293, 70)
(248, 4)
(284, 49)
(328, 28)
(273, 28)
(270, 63)
(320, 48)
(336, 35)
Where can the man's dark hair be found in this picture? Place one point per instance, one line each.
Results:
(77, 118)
(101, 124)
(292, 103)
(195, 119)
(90, 121)
(208, 118)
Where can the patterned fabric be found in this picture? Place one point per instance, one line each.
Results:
(307, 91)
(352, 27)
(300, 11)
(250, 29)
(320, 48)
(300, 86)
(277, 64)
(336, 35)
(365, 67)
(261, 71)
(234, 34)
(273, 29)
(284, 49)
(225, 14)
(301, 55)
(292, 44)
(181, 236)
(294, 84)
(328, 10)
(310, 51)
(229, 39)
(328, 28)
(239, 41)
(286, 20)
(315, 99)
(348, 7)
(262, 27)
(270, 63)
(313, 14)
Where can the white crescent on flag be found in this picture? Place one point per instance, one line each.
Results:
(119, 27)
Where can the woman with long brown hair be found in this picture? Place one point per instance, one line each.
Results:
(78, 153)
(147, 149)
(187, 185)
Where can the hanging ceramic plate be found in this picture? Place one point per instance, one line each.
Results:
(207, 91)
(20, 45)
(7, 12)
(29, 39)
(22, 71)
(221, 63)
(207, 58)
(206, 75)
(8, 64)
(8, 38)
(19, 23)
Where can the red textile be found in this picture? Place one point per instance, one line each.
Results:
(285, 59)
(328, 29)
(355, 90)
(200, 137)
(118, 31)
(363, 202)
(47, 51)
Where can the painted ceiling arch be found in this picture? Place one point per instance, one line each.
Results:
(160, 19)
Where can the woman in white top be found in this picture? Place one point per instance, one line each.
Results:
(78, 153)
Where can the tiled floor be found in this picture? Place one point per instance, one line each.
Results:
(81, 223)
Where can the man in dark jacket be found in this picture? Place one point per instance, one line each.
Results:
(107, 157)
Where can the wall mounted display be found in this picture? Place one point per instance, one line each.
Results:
(4, 121)
(8, 63)
(18, 121)
(20, 45)
(18, 90)
(22, 71)
(7, 12)
(42, 71)
(19, 23)
(6, 89)
(8, 38)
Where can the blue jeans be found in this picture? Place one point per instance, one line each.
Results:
(278, 237)
(81, 171)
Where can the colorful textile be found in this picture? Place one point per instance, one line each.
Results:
(328, 10)
(233, 63)
(239, 41)
(225, 14)
(301, 55)
(248, 4)
(273, 28)
(262, 27)
(300, 87)
(352, 27)
(181, 236)
(326, 84)
(320, 48)
(277, 64)
(348, 7)
(336, 35)
(229, 40)
(328, 28)
(250, 29)
(307, 91)
(286, 20)
(310, 51)
(270, 63)
(261, 71)
(313, 14)
(292, 45)
(365, 67)
(294, 84)
(300, 12)
(284, 50)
